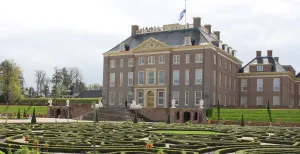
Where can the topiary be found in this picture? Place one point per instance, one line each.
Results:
(19, 114)
(242, 122)
(33, 119)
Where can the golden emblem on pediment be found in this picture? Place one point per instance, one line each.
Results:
(151, 44)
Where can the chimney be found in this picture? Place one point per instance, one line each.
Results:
(276, 59)
(269, 53)
(258, 53)
(217, 33)
(208, 27)
(134, 28)
(196, 21)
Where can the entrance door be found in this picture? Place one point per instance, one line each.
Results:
(150, 99)
(187, 117)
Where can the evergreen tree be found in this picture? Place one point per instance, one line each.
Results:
(19, 114)
(33, 119)
(218, 110)
(24, 114)
(135, 120)
(96, 119)
(269, 111)
(242, 122)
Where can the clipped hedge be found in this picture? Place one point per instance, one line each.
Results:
(55, 101)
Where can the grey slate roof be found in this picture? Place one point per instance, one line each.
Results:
(276, 67)
(171, 38)
(298, 75)
(90, 94)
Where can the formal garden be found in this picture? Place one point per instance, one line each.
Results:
(132, 138)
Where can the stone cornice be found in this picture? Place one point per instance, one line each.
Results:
(269, 74)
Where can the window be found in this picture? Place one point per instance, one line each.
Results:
(141, 60)
(198, 97)
(112, 98)
(276, 84)
(225, 81)
(259, 84)
(198, 77)
(230, 67)
(176, 59)
(175, 77)
(112, 63)
(215, 77)
(244, 100)
(215, 59)
(187, 77)
(214, 98)
(130, 78)
(161, 97)
(196, 116)
(162, 59)
(234, 82)
(299, 103)
(220, 82)
(225, 64)
(121, 63)
(259, 100)
(199, 58)
(141, 77)
(244, 84)
(151, 79)
(120, 98)
(187, 58)
(187, 41)
(234, 100)
(151, 60)
(129, 97)
(140, 97)
(276, 100)
(260, 68)
(130, 62)
(175, 95)
(220, 61)
(225, 99)
(220, 97)
(229, 82)
(112, 79)
(186, 100)
(177, 115)
(121, 79)
(161, 77)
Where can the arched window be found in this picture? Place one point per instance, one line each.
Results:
(177, 116)
(196, 116)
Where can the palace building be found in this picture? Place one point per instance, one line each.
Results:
(188, 63)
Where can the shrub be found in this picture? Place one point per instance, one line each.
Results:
(33, 118)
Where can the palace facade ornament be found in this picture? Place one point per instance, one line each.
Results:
(151, 44)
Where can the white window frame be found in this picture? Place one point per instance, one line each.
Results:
(141, 60)
(187, 58)
(112, 98)
(259, 100)
(220, 62)
(130, 62)
(244, 85)
(174, 71)
(176, 59)
(120, 98)
(198, 102)
(129, 93)
(187, 40)
(245, 98)
(215, 59)
(139, 98)
(220, 97)
(162, 59)
(215, 77)
(225, 78)
(276, 86)
(121, 79)
(200, 78)
(260, 68)
(230, 66)
(112, 79)
(161, 77)
(151, 60)
(299, 102)
(187, 77)
(141, 81)
(274, 101)
(148, 77)
(234, 84)
(225, 99)
(260, 85)
(121, 63)
(220, 79)
(229, 82)
(225, 64)
(199, 58)
(159, 98)
(112, 63)
(130, 77)
(176, 99)
(214, 98)
(233, 100)
(186, 98)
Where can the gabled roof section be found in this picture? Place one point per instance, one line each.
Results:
(276, 67)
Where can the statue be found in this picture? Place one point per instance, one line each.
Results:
(99, 105)
(68, 102)
(134, 105)
(173, 103)
(201, 104)
(50, 102)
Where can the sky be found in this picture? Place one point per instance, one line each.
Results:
(41, 35)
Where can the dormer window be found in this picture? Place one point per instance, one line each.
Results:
(124, 47)
(187, 40)
(260, 68)
(127, 48)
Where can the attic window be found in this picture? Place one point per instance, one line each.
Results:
(122, 47)
(127, 48)
(188, 40)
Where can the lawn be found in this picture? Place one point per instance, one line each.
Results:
(14, 109)
(185, 132)
(261, 115)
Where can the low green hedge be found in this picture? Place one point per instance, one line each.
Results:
(60, 101)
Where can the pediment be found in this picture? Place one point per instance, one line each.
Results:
(151, 44)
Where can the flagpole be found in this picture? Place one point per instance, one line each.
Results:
(185, 12)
